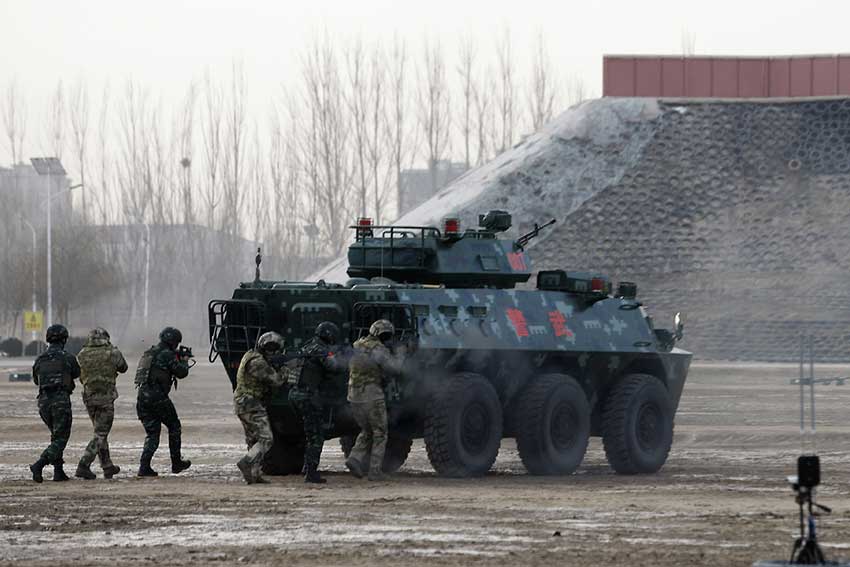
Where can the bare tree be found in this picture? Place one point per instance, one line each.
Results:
(14, 121)
(505, 92)
(484, 118)
(235, 152)
(79, 115)
(433, 108)
(186, 152)
(56, 122)
(399, 139)
(212, 144)
(328, 133)
(358, 103)
(465, 72)
(380, 165)
(541, 95)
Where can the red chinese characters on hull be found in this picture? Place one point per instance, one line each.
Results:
(517, 261)
(517, 319)
(559, 324)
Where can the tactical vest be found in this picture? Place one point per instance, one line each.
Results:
(311, 372)
(53, 373)
(149, 374)
(247, 383)
(97, 366)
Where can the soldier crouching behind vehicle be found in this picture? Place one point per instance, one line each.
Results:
(255, 381)
(318, 364)
(100, 363)
(54, 372)
(372, 360)
(158, 369)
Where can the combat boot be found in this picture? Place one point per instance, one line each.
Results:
(377, 476)
(244, 466)
(83, 471)
(146, 470)
(180, 465)
(110, 471)
(354, 466)
(36, 469)
(312, 475)
(59, 473)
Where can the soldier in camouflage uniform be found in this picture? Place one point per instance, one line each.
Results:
(255, 380)
(100, 363)
(158, 370)
(370, 363)
(317, 366)
(54, 372)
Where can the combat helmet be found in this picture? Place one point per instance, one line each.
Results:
(56, 334)
(327, 332)
(381, 328)
(171, 336)
(269, 343)
(99, 334)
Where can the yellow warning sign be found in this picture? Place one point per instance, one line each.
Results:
(33, 320)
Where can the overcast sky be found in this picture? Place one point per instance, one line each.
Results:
(164, 44)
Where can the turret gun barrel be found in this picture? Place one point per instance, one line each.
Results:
(526, 238)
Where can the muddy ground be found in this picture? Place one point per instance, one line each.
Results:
(720, 500)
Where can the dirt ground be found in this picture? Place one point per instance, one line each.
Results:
(720, 500)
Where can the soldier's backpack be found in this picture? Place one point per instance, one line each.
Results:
(143, 372)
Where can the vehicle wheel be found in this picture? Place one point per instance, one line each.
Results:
(285, 457)
(637, 425)
(553, 425)
(398, 448)
(463, 426)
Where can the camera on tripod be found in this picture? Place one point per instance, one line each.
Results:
(808, 474)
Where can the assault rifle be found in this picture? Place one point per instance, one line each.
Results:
(185, 353)
(523, 240)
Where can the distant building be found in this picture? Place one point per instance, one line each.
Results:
(676, 76)
(24, 191)
(416, 185)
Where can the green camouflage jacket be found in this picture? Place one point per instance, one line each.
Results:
(100, 363)
(256, 378)
(369, 364)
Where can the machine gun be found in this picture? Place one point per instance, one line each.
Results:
(523, 240)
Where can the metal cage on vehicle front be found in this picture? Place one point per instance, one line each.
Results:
(235, 325)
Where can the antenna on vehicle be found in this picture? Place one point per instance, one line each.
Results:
(258, 260)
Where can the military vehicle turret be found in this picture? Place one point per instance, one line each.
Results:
(549, 365)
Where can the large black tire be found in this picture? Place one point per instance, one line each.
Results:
(463, 426)
(552, 425)
(637, 425)
(285, 457)
(398, 448)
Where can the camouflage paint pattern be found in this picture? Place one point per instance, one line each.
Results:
(102, 415)
(55, 411)
(371, 417)
(258, 433)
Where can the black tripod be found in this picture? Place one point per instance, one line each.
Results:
(806, 550)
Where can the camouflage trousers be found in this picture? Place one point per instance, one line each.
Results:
(258, 432)
(101, 413)
(372, 419)
(314, 434)
(154, 414)
(55, 411)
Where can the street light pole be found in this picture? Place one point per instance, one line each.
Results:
(49, 166)
(49, 255)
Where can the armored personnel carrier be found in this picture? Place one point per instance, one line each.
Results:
(550, 366)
